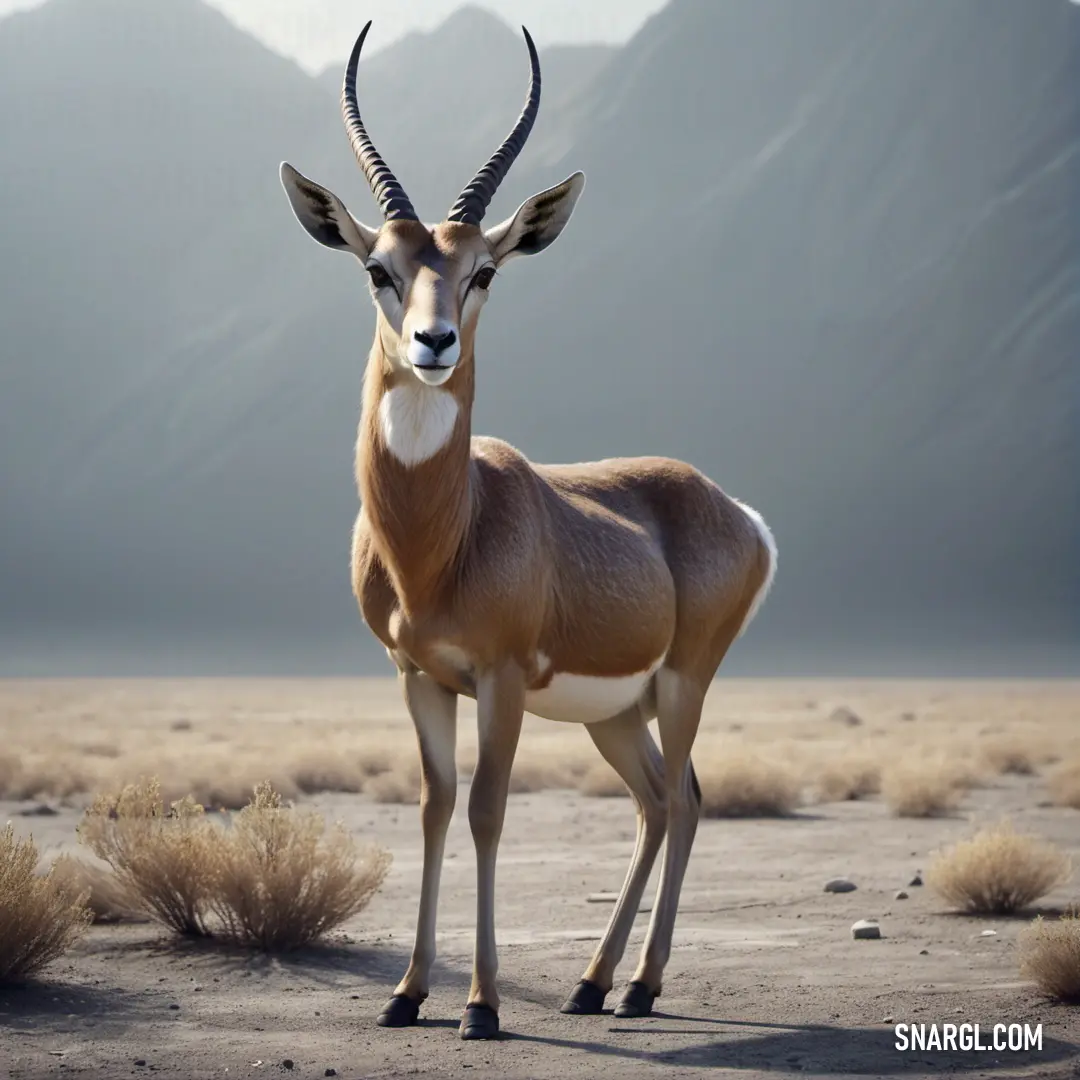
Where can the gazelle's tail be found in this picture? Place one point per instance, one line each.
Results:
(768, 543)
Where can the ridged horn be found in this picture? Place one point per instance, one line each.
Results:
(389, 194)
(473, 201)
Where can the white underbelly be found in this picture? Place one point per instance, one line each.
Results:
(575, 699)
(585, 699)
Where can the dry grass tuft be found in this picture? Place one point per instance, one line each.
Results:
(59, 777)
(108, 898)
(161, 855)
(601, 781)
(216, 786)
(920, 790)
(40, 917)
(1050, 954)
(744, 785)
(10, 775)
(1064, 785)
(276, 879)
(400, 784)
(997, 871)
(844, 715)
(282, 879)
(1010, 754)
(375, 762)
(852, 777)
(328, 772)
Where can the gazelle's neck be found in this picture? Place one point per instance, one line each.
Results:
(413, 473)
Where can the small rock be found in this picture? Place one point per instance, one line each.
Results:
(330, 1072)
(287, 1063)
(887, 1020)
(840, 885)
(907, 716)
(865, 930)
(140, 1061)
(988, 933)
(843, 715)
(916, 881)
(41, 810)
(174, 1006)
(901, 895)
(601, 898)
(924, 952)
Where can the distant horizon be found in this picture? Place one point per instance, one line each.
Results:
(317, 35)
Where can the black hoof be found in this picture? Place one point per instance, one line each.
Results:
(399, 1011)
(479, 1022)
(637, 1001)
(585, 999)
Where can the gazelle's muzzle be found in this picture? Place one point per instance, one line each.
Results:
(433, 353)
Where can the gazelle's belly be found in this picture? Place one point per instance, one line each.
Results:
(585, 699)
(553, 695)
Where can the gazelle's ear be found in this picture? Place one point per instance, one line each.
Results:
(324, 215)
(537, 222)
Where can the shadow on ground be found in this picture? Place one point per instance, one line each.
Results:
(812, 1049)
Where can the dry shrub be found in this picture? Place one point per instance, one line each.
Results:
(375, 762)
(920, 789)
(997, 871)
(58, 777)
(40, 917)
(601, 781)
(161, 855)
(1064, 785)
(1050, 954)
(852, 777)
(101, 749)
(400, 784)
(229, 788)
(328, 772)
(282, 879)
(10, 776)
(1009, 754)
(109, 898)
(844, 715)
(745, 785)
(275, 879)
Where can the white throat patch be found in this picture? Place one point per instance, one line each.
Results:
(417, 421)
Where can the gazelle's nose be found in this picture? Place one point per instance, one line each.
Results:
(437, 343)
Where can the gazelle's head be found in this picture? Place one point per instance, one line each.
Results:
(430, 281)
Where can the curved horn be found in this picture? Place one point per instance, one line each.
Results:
(473, 201)
(393, 201)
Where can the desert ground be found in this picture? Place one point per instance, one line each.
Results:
(764, 977)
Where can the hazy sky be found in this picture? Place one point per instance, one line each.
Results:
(319, 32)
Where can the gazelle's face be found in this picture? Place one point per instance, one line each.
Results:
(430, 282)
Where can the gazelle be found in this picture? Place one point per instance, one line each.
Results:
(604, 593)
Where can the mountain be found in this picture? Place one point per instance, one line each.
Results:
(825, 253)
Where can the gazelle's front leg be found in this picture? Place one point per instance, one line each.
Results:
(500, 703)
(434, 713)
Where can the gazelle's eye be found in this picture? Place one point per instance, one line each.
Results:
(484, 278)
(379, 277)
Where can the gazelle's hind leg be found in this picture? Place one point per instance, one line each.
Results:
(629, 749)
(679, 701)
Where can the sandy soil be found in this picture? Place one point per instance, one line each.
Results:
(764, 978)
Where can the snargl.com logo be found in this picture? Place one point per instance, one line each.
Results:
(1000, 1038)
